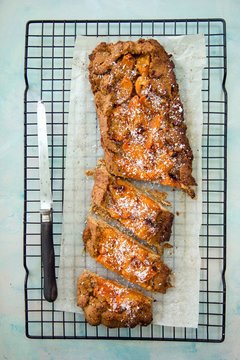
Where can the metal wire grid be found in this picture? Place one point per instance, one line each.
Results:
(48, 55)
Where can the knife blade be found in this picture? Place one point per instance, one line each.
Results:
(46, 203)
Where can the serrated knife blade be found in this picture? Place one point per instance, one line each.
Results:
(46, 203)
(44, 173)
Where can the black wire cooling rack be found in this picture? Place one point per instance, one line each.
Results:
(48, 55)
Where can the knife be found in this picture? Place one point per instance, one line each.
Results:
(47, 248)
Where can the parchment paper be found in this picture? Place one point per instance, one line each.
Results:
(180, 305)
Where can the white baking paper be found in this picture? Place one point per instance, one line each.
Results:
(180, 305)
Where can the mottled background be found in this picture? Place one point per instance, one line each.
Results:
(13, 16)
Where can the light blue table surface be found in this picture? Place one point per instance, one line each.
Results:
(13, 16)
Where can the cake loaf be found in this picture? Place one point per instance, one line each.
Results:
(119, 199)
(141, 116)
(125, 256)
(111, 304)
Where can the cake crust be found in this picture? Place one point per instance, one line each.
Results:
(111, 304)
(143, 133)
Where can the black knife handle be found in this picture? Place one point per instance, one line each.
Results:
(48, 260)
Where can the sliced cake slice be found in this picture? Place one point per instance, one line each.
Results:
(111, 304)
(126, 256)
(141, 115)
(147, 219)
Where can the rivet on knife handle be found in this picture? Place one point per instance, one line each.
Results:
(48, 261)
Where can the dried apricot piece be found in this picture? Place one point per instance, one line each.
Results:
(155, 123)
(143, 64)
(141, 85)
(165, 162)
(148, 139)
(124, 90)
(137, 118)
(135, 150)
(128, 62)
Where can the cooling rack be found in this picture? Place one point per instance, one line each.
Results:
(48, 54)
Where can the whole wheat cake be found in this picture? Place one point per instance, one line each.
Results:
(120, 200)
(125, 256)
(111, 304)
(141, 116)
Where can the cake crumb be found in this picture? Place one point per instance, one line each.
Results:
(90, 172)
